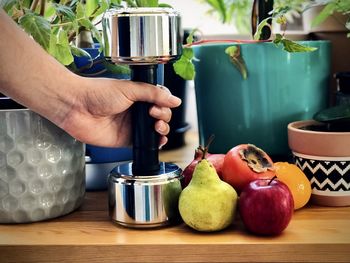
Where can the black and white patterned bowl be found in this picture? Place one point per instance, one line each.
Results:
(329, 178)
(325, 159)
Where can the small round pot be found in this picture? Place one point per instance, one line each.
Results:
(42, 168)
(325, 159)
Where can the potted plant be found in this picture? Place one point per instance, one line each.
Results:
(42, 167)
(329, 20)
(320, 148)
(68, 31)
(271, 87)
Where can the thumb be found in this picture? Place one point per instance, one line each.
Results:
(159, 95)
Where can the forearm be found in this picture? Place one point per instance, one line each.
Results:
(31, 76)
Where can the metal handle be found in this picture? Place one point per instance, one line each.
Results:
(145, 138)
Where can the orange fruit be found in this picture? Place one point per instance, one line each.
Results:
(297, 182)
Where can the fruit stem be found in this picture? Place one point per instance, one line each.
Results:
(205, 149)
(273, 178)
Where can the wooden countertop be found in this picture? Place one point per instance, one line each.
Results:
(315, 234)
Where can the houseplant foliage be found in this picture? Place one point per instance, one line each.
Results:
(55, 24)
(332, 6)
(238, 12)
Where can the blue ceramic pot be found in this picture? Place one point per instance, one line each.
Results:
(281, 87)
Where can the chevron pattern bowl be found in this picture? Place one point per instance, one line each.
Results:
(325, 159)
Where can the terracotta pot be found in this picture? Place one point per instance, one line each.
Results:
(325, 159)
(334, 23)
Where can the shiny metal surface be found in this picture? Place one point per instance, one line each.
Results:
(144, 201)
(142, 35)
(42, 168)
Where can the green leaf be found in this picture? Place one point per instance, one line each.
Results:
(86, 23)
(79, 52)
(236, 58)
(103, 6)
(116, 2)
(75, 26)
(26, 3)
(278, 39)
(282, 20)
(7, 5)
(281, 11)
(323, 15)
(60, 48)
(38, 27)
(64, 11)
(260, 27)
(184, 66)
(90, 7)
(164, 5)
(116, 69)
(49, 10)
(105, 30)
(187, 53)
(218, 6)
(80, 11)
(291, 46)
(97, 35)
(147, 3)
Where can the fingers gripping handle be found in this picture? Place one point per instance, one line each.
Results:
(145, 138)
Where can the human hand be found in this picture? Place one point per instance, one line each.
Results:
(100, 114)
(94, 111)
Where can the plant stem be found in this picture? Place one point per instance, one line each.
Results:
(42, 7)
(34, 5)
(65, 23)
(204, 41)
(273, 178)
(71, 36)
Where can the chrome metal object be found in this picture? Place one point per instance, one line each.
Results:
(139, 36)
(145, 201)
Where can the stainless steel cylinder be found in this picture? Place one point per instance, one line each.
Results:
(142, 35)
(144, 201)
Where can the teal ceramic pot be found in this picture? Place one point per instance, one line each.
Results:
(281, 87)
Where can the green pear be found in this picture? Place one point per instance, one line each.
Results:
(207, 203)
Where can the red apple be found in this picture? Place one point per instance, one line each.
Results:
(216, 159)
(266, 206)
